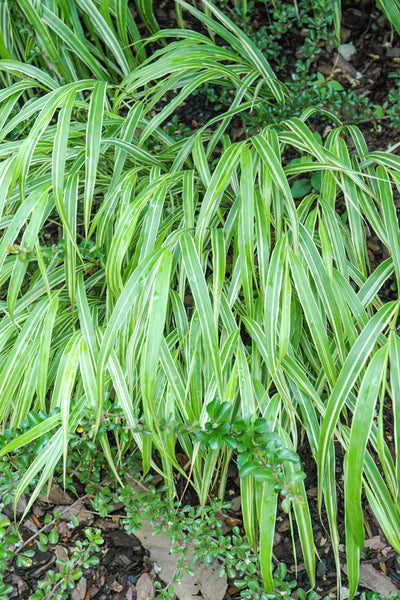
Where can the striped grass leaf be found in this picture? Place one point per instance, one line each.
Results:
(272, 306)
(156, 320)
(312, 409)
(305, 140)
(201, 162)
(248, 407)
(71, 251)
(394, 357)
(348, 375)
(46, 462)
(239, 42)
(140, 277)
(302, 513)
(354, 462)
(43, 272)
(180, 315)
(386, 159)
(248, 495)
(86, 323)
(126, 25)
(195, 276)
(189, 197)
(391, 8)
(123, 233)
(313, 317)
(246, 228)
(105, 445)
(145, 9)
(21, 69)
(128, 130)
(63, 387)
(179, 65)
(23, 393)
(335, 233)
(218, 183)
(37, 431)
(43, 37)
(331, 506)
(5, 32)
(263, 238)
(24, 115)
(65, 199)
(277, 378)
(299, 136)
(381, 502)
(368, 292)
(269, 158)
(123, 60)
(124, 397)
(353, 208)
(92, 149)
(176, 383)
(9, 99)
(152, 221)
(390, 219)
(208, 475)
(323, 284)
(337, 17)
(11, 371)
(385, 457)
(141, 155)
(113, 205)
(43, 357)
(326, 249)
(80, 48)
(48, 106)
(70, 13)
(29, 236)
(219, 270)
(268, 500)
(352, 312)
(285, 317)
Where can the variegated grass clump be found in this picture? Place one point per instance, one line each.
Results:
(182, 279)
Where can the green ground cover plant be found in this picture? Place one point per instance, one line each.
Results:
(316, 21)
(200, 287)
(187, 527)
(319, 25)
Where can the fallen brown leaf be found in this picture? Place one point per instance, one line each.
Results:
(79, 591)
(79, 510)
(144, 587)
(57, 495)
(61, 554)
(375, 543)
(375, 580)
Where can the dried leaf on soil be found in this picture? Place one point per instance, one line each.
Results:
(144, 587)
(57, 495)
(374, 580)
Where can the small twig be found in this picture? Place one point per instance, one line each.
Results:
(47, 525)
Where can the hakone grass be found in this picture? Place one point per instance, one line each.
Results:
(186, 276)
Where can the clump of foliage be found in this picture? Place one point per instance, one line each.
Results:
(194, 283)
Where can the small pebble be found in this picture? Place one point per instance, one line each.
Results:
(347, 50)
